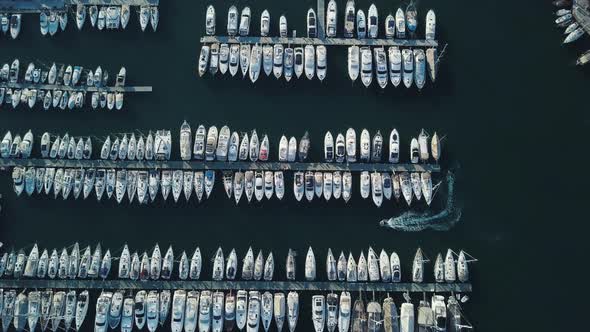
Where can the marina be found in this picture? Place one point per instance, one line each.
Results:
(574, 16)
(406, 58)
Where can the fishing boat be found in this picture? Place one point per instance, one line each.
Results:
(255, 63)
(232, 21)
(292, 310)
(298, 62)
(373, 23)
(264, 23)
(318, 312)
(311, 24)
(361, 24)
(245, 22)
(209, 21)
(366, 66)
(278, 54)
(309, 61)
(322, 62)
(310, 265)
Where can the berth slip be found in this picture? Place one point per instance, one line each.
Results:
(389, 53)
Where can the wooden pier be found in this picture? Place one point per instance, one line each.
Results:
(581, 13)
(219, 165)
(321, 37)
(236, 285)
(76, 88)
(37, 6)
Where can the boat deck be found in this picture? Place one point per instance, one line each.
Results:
(234, 285)
(75, 88)
(219, 165)
(36, 6)
(581, 12)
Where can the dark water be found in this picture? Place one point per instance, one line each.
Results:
(509, 100)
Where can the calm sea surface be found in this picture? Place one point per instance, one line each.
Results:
(509, 100)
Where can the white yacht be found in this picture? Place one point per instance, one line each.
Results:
(311, 24)
(337, 185)
(298, 61)
(264, 23)
(288, 61)
(292, 310)
(420, 68)
(353, 62)
(328, 147)
(366, 66)
(244, 58)
(340, 148)
(377, 188)
(244, 28)
(214, 59)
(344, 312)
(80, 16)
(346, 186)
(267, 59)
(322, 61)
(209, 21)
(408, 67)
(234, 59)
(414, 151)
(278, 60)
(328, 186)
(283, 31)
(266, 310)
(318, 312)
(309, 61)
(389, 27)
(223, 144)
(310, 265)
(400, 23)
(331, 19)
(373, 23)
(349, 19)
(381, 67)
(426, 184)
(232, 21)
(185, 141)
(395, 65)
(361, 24)
(241, 309)
(430, 25)
(255, 62)
(223, 58)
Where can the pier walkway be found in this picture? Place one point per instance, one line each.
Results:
(235, 285)
(36, 6)
(220, 165)
(581, 13)
(75, 88)
(319, 41)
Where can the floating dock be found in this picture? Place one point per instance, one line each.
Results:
(235, 285)
(581, 13)
(220, 165)
(37, 6)
(75, 88)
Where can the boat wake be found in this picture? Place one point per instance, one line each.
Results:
(418, 221)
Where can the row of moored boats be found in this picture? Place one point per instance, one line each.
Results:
(402, 25)
(73, 81)
(10, 23)
(217, 311)
(573, 29)
(109, 17)
(82, 264)
(147, 185)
